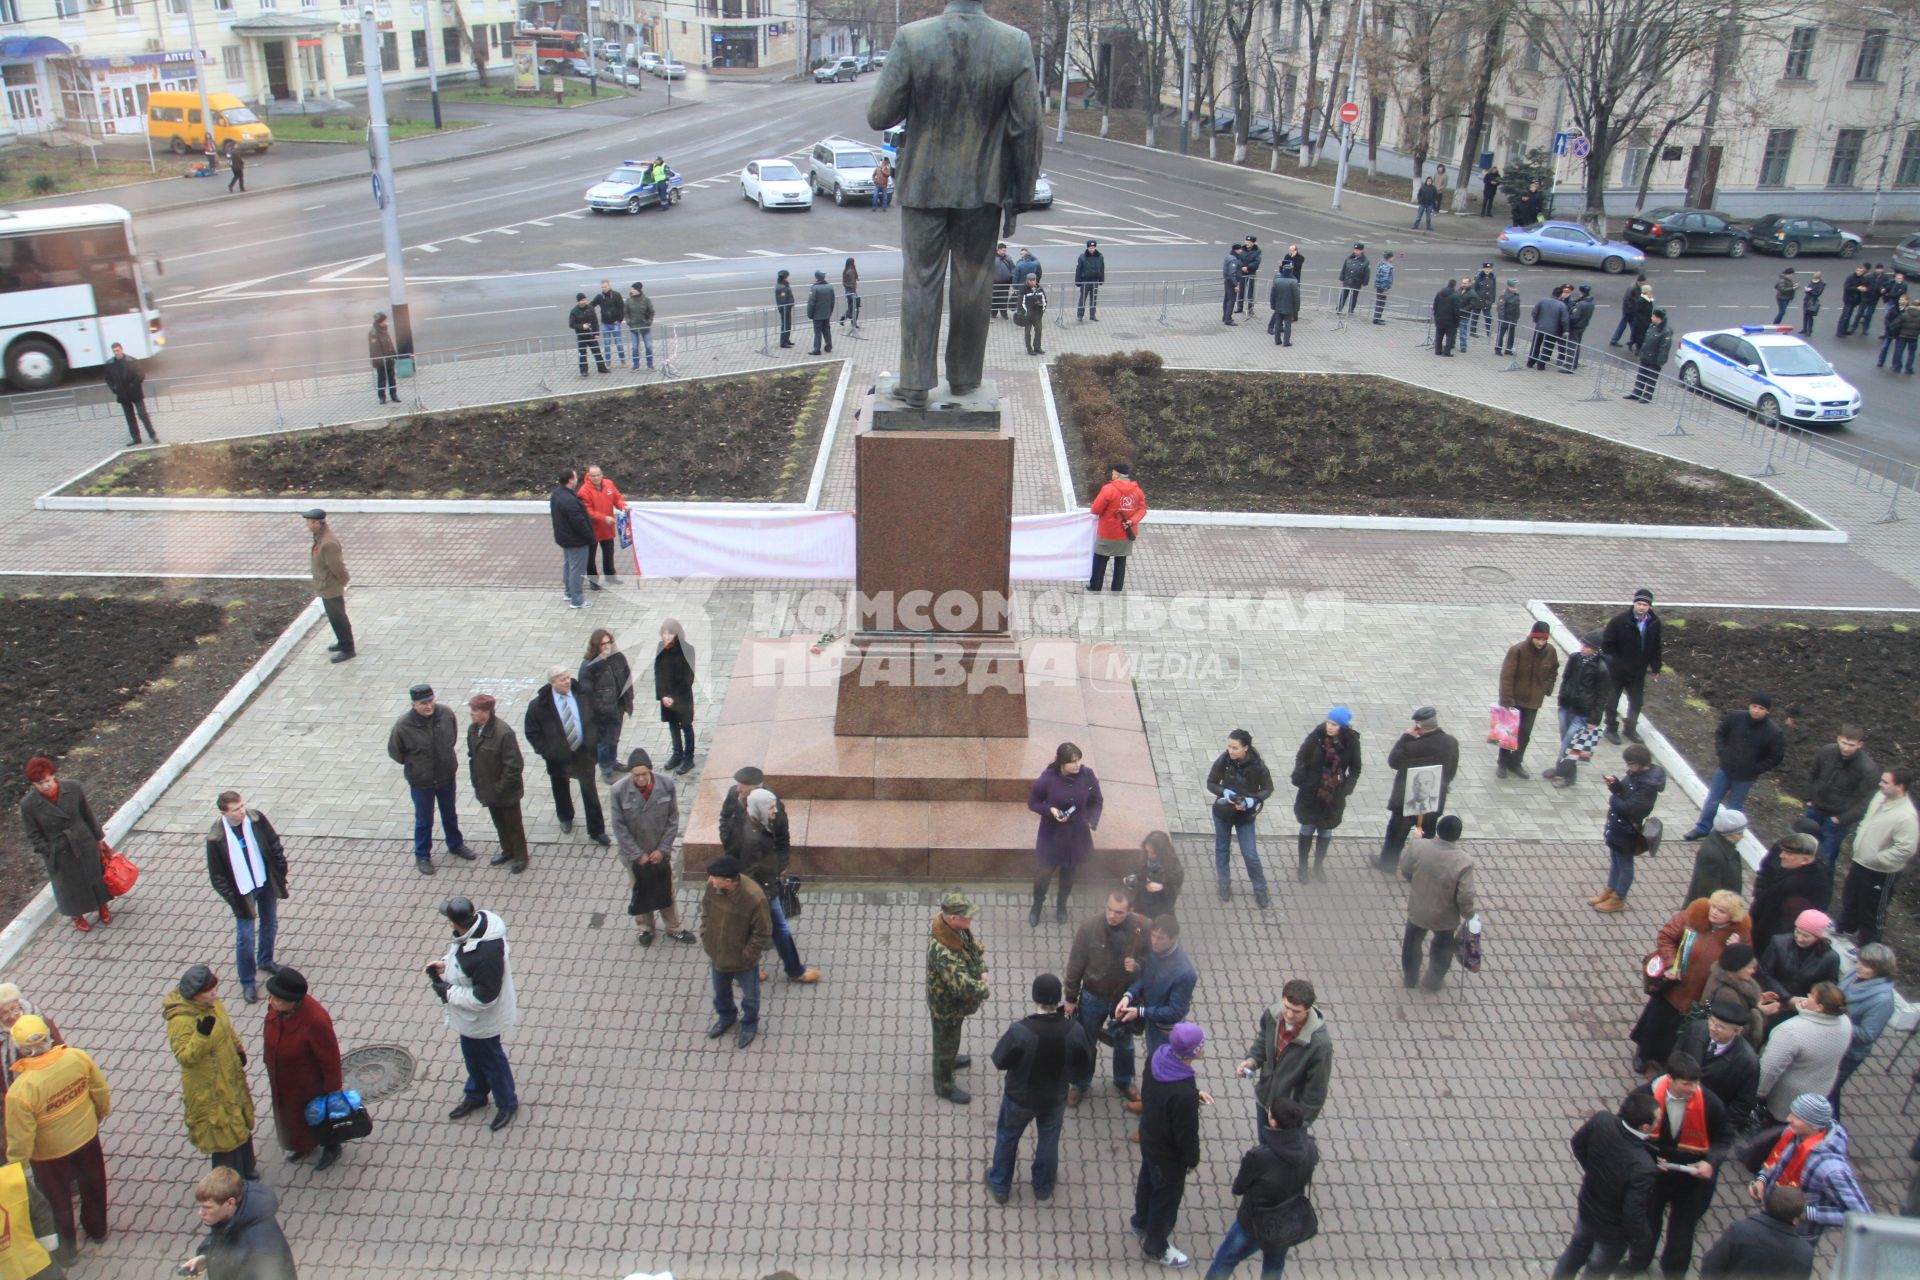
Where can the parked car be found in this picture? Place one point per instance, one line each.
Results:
(842, 167)
(666, 70)
(1790, 235)
(864, 61)
(879, 57)
(647, 60)
(1767, 369)
(1672, 232)
(1906, 256)
(1042, 193)
(837, 71)
(627, 188)
(775, 184)
(1569, 243)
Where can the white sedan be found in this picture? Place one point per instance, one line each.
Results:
(775, 184)
(1765, 368)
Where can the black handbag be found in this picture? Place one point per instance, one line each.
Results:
(790, 896)
(1287, 1224)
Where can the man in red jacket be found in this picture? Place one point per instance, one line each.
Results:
(601, 498)
(1121, 506)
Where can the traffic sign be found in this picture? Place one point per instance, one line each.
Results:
(1349, 112)
(379, 192)
(1581, 147)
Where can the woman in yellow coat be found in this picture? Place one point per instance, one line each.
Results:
(213, 1071)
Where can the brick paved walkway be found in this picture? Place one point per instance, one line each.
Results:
(644, 1146)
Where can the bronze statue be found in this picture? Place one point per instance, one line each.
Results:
(963, 82)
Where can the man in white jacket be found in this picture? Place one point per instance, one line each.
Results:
(1883, 845)
(1803, 1053)
(475, 982)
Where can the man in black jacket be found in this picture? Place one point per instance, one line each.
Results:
(1631, 646)
(1654, 349)
(612, 310)
(1747, 744)
(585, 323)
(1579, 316)
(1040, 1053)
(1108, 953)
(1508, 309)
(425, 744)
(573, 534)
(1484, 286)
(1840, 786)
(560, 730)
(1423, 744)
(820, 311)
(1769, 1245)
(1549, 327)
(1616, 1154)
(128, 383)
(1355, 271)
(1446, 317)
(248, 868)
(1583, 691)
(1729, 1068)
(1089, 272)
(1691, 1138)
(1275, 1171)
(1241, 785)
(1169, 1142)
(1249, 251)
(1853, 291)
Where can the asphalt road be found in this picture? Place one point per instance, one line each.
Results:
(497, 246)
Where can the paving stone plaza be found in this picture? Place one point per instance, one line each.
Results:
(644, 1146)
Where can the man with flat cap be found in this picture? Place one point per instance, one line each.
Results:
(498, 772)
(733, 810)
(425, 743)
(736, 928)
(330, 582)
(475, 981)
(646, 821)
(1729, 1068)
(956, 988)
(559, 728)
(963, 83)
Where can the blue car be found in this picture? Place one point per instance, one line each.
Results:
(1569, 243)
(627, 188)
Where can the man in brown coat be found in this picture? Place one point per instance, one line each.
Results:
(736, 927)
(1526, 678)
(497, 768)
(1107, 955)
(330, 582)
(1441, 897)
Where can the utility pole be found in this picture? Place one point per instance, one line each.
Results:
(1066, 62)
(1346, 126)
(199, 71)
(433, 77)
(1186, 76)
(384, 195)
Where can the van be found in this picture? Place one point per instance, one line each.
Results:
(175, 117)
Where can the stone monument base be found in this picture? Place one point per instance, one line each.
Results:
(924, 808)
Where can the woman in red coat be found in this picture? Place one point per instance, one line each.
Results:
(1121, 506)
(303, 1062)
(1688, 945)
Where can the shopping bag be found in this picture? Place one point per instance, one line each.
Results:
(1503, 726)
(338, 1117)
(623, 528)
(1580, 746)
(1466, 945)
(119, 872)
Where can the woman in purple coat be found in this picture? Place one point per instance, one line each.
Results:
(1066, 795)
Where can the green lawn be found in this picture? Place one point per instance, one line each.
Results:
(67, 170)
(352, 129)
(499, 91)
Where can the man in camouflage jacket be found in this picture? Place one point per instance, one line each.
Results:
(956, 987)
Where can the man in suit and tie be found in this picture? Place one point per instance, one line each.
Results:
(963, 83)
(561, 731)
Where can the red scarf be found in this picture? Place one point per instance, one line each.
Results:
(52, 796)
(1693, 1124)
(1789, 1169)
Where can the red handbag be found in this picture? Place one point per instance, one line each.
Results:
(119, 872)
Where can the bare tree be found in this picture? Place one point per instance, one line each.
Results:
(1319, 21)
(1487, 20)
(1150, 21)
(1237, 24)
(1420, 50)
(476, 48)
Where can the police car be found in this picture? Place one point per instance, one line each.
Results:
(627, 188)
(1765, 368)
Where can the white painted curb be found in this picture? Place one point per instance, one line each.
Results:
(818, 480)
(1068, 501)
(1546, 528)
(36, 913)
(1668, 755)
(375, 506)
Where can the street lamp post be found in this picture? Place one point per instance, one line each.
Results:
(384, 194)
(1186, 73)
(1346, 126)
(433, 77)
(199, 72)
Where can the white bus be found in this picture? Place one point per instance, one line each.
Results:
(70, 287)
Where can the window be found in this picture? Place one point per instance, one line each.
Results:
(1517, 131)
(507, 33)
(1773, 162)
(1449, 136)
(268, 6)
(419, 48)
(123, 8)
(1536, 37)
(1908, 174)
(389, 51)
(354, 53)
(67, 8)
(450, 46)
(1799, 53)
(230, 63)
(1847, 145)
(1873, 46)
(9, 11)
(178, 8)
(1634, 166)
(223, 6)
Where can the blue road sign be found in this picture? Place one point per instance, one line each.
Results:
(1559, 144)
(379, 192)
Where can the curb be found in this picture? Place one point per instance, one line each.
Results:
(818, 480)
(1550, 528)
(1668, 755)
(37, 912)
(1068, 498)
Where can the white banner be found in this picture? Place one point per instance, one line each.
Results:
(684, 543)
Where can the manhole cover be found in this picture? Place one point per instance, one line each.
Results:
(1486, 573)
(377, 1071)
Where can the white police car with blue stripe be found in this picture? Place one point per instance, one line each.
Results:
(1766, 368)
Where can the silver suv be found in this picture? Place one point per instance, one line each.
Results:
(841, 167)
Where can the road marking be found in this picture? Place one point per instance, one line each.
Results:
(574, 213)
(1114, 177)
(234, 223)
(824, 248)
(715, 275)
(1153, 213)
(428, 248)
(703, 257)
(766, 253)
(467, 239)
(573, 266)
(311, 207)
(505, 231)
(1689, 271)
(517, 168)
(885, 248)
(537, 222)
(469, 178)
(641, 262)
(1258, 213)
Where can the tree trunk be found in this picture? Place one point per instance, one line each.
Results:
(1477, 121)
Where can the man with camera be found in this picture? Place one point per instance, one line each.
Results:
(1108, 952)
(475, 982)
(1163, 993)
